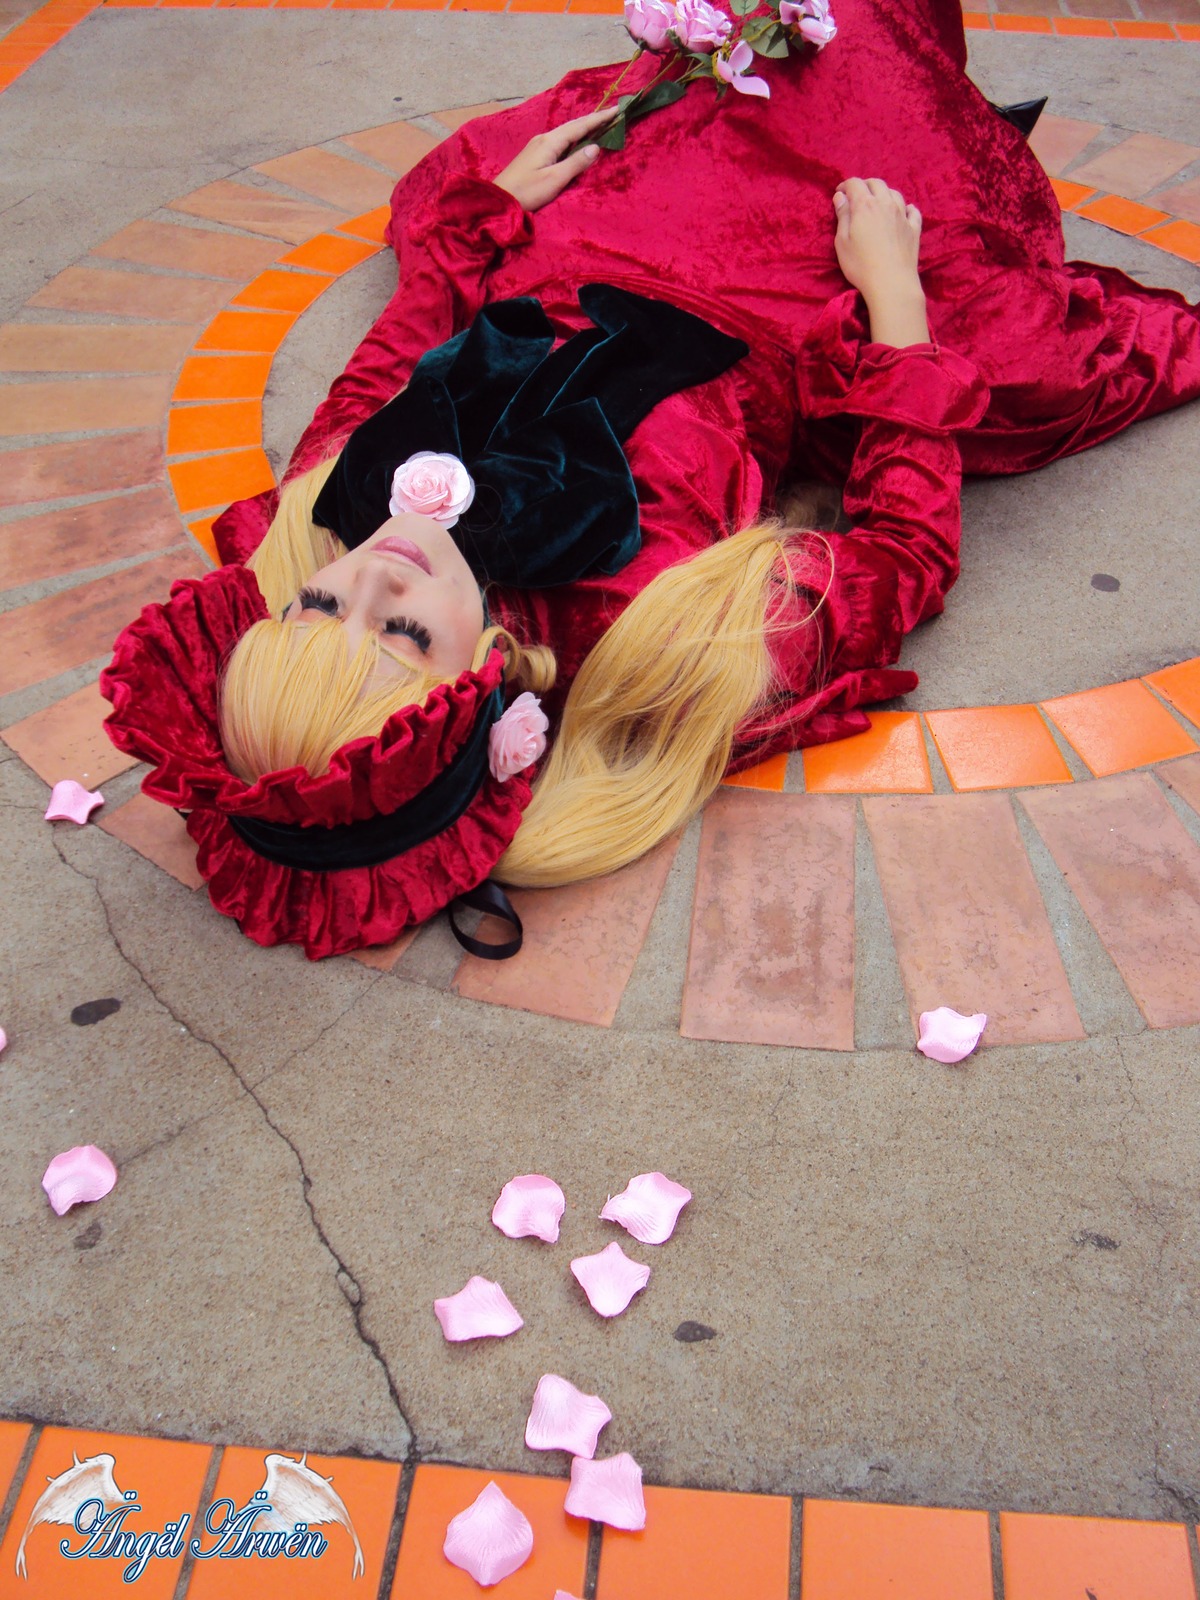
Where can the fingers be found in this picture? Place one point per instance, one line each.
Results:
(857, 190)
(565, 171)
(914, 218)
(556, 140)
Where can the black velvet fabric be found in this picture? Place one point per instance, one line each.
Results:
(538, 429)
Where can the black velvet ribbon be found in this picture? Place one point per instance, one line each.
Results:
(538, 429)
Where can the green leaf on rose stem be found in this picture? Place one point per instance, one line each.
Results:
(743, 8)
(756, 27)
(661, 94)
(612, 137)
(625, 101)
(773, 41)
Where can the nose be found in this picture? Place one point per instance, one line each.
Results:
(379, 583)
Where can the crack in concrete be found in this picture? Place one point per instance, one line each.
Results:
(348, 1285)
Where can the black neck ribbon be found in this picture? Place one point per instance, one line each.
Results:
(539, 429)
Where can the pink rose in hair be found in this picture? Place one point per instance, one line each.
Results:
(812, 20)
(699, 26)
(432, 485)
(648, 23)
(518, 739)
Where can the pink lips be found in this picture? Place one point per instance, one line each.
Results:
(392, 546)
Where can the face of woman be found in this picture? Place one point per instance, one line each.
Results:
(409, 584)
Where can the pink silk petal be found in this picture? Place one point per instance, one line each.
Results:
(948, 1036)
(648, 1207)
(610, 1279)
(480, 1310)
(3, 1040)
(561, 1594)
(78, 1175)
(490, 1539)
(608, 1491)
(71, 802)
(562, 1417)
(530, 1207)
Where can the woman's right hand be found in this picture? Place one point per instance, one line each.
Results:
(544, 169)
(878, 242)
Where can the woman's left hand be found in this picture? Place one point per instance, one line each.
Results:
(544, 169)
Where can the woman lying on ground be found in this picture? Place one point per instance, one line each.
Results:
(692, 340)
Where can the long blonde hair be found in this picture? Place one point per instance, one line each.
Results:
(649, 721)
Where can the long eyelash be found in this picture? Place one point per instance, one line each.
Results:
(318, 600)
(419, 635)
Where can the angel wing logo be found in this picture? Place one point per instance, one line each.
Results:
(62, 1497)
(296, 1494)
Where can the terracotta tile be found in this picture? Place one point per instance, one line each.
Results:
(111, 292)
(1021, 24)
(80, 405)
(1136, 872)
(1057, 141)
(221, 479)
(1139, 163)
(223, 377)
(1123, 216)
(370, 225)
(1118, 727)
(262, 331)
(76, 625)
(1170, 10)
(581, 944)
(439, 1493)
(202, 532)
(276, 290)
(997, 747)
(1180, 238)
(396, 145)
(968, 922)
(166, 1475)
(367, 1489)
(348, 185)
(1083, 28)
(224, 426)
(1069, 194)
(329, 252)
(1060, 1558)
(1027, 8)
(67, 740)
(383, 957)
(1143, 30)
(769, 774)
(889, 758)
(869, 1552)
(456, 116)
(703, 1545)
(255, 210)
(156, 832)
(1181, 686)
(1099, 8)
(49, 347)
(175, 246)
(1183, 200)
(13, 1437)
(1184, 777)
(84, 536)
(84, 466)
(771, 959)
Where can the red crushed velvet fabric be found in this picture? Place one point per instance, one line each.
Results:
(164, 684)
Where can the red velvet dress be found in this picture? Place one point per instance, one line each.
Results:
(727, 212)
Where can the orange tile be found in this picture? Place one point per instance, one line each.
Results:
(1070, 194)
(1143, 30)
(167, 1477)
(368, 1491)
(1188, 30)
(13, 1437)
(439, 1493)
(1180, 238)
(369, 226)
(156, 832)
(396, 145)
(889, 758)
(329, 252)
(255, 210)
(383, 957)
(417, 5)
(219, 480)
(1181, 686)
(246, 330)
(977, 19)
(283, 291)
(348, 185)
(997, 747)
(74, 538)
(1060, 1558)
(222, 377)
(1123, 216)
(9, 75)
(1008, 24)
(1139, 163)
(769, 774)
(361, 5)
(67, 740)
(455, 116)
(871, 1552)
(110, 291)
(192, 429)
(202, 532)
(52, 347)
(81, 405)
(82, 466)
(771, 956)
(1083, 27)
(478, 5)
(1118, 727)
(537, 5)
(967, 919)
(175, 246)
(581, 943)
(595, 7)
(703, 1545)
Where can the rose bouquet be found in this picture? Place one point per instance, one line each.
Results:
(696, 41)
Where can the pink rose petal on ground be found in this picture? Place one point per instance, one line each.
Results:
(480, 1310)
(530, 1207)
(562, 1417)
(610, 1279)
(490, 1539)
(71, 802)
(84, 1173)
(561, 1594)
(608, 1491)
(3, 1040)
(948, 1036)
(648, 1207)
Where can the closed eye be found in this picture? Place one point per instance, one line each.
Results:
(317, 600)
(419, 635)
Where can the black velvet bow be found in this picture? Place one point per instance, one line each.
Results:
(538, 429)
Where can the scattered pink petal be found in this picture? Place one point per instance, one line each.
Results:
(610, 1279)
(481, 1310)
(530, 1207)
(84, 1173)
(948, 1036)
(3, 1040)
(648, 1207)
(561, 1594)
(71, 802)
(608, 1491)
(562, 1417)
(491, 1538)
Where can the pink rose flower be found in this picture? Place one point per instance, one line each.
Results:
(432, 485)
(812, 19)
(648, 23)
(519, 738)
(732, 69)
(700, 27)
